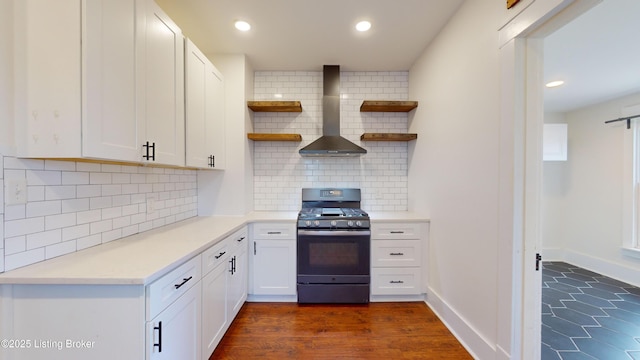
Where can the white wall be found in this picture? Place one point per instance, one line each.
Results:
(554, 189)
(280, 171)
(454, 172)
(586, 227)
(230, 192)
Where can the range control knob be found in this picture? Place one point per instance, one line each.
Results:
(308, 223)
(358, 223)
(334, 223)
(316, 223)
(350, 223)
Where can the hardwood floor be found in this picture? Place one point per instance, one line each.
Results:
(373, 331)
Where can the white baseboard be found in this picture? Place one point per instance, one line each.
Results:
(604, 267)
(471, 339)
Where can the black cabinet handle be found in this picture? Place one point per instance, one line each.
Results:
(396, 254)
(240, 240)
(255, 248)
(159, 328)
(220, 255)
(151, 146)
(232, 261)
(396, 282)
(397, 232)
(183, 282)
(212, 161)
(274, 232)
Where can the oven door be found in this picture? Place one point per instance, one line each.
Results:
(334, 256)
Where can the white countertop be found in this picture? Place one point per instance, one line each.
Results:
(142, 258)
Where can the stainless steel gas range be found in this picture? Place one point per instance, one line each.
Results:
(334, 245)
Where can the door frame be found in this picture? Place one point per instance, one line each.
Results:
(521, 123)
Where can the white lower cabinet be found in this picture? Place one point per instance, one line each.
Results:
(273, 259)
(174, 333)
(181, 315)
(397, 260)
(224, 287)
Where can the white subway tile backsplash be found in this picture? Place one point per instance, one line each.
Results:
(59, 221)
(24, 258)
(14, 245)
(59, 249)
(75, 205)
(43, 239)
(43, 208)
(280, 172)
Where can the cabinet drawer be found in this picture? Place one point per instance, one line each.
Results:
(237, 239)
(214, 256)
(274, 230)
(164, 291)
(395, 230)
(396, 281)
(395, 253)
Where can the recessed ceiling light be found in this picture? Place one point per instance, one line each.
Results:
(363, 26)
(242, 25)
(554, 83)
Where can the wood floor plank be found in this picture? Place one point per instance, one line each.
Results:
(372, 331)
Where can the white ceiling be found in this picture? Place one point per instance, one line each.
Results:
(306, 34)
(597, 55)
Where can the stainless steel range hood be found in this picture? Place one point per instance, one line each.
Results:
(331, 143)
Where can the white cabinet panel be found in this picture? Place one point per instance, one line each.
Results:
(394, 230)
(175, 332)
(392, 253)
(274, 267)
(111, 128)
(204, 101)
(214, 309)
(163, 68)
(396, 281)
(171, 286)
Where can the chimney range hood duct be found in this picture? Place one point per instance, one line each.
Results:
(331, 143)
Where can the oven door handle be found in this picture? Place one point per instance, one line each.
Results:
(334, 232)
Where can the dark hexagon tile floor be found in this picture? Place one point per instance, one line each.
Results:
(588, 316)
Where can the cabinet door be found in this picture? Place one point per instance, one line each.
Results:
(237, 280)
(175, 332)
(204, 95)
(195, 100)
(163, 68)
(214, 309)
(215, 119)
(274, 267)
(47, 40)
(110, 125)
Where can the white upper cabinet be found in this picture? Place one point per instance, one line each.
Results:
(111, 125)
(205, 122)
(98, 79)
(163, 67)
(47, 78)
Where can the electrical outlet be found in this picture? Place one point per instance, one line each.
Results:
(15, 191)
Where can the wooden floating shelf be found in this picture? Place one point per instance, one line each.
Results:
(387, 106)
(274, 137)
(275, 106)
(388, 137)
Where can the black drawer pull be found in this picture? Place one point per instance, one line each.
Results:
(220, 255)
(274, 232)
(397, 232)
(396, 282)
(240, 240)
(396, 254)
(183, 282)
